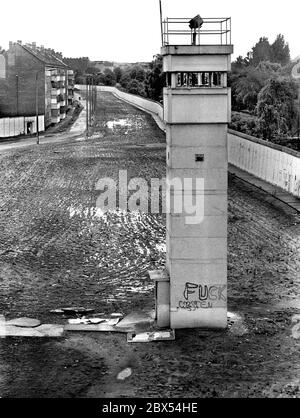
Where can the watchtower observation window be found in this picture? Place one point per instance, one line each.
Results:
(198, 79)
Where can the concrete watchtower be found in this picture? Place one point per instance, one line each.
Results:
(197, 110)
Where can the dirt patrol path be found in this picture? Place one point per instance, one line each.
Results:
(57, 249)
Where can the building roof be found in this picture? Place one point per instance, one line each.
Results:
(47, 56)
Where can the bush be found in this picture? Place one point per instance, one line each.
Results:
(244, 123)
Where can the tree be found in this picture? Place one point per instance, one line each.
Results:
(239, 63)
(245, 86)
(137, 73)
(92, 70)
(118, 74)
(78, 64)
(136, 87)
(125, 80)
(280, 51)
(270, 69)
(261, 51)
(100, 79)
(110, 79)
(155, 79)
(276, 108)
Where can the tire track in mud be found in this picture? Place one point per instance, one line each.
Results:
(56, 246)
(264, 248)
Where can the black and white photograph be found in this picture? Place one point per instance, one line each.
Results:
(149, 202)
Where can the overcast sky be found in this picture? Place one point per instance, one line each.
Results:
(129, 30)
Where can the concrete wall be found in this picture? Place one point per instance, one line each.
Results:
(273, 163)
(10, 127)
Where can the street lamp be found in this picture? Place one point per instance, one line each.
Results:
(37, 108)
(194, 24)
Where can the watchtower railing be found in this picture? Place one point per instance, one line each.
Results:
(214, 31)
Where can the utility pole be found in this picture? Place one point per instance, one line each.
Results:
(17, 85)
(87, 108)
(37, 108)
(298, 130)
(93, 104)
(95, 100)
(161, 23)
(90, 104)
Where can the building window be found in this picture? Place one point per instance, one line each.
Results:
(29, 127)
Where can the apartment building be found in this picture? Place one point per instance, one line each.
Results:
(36, 89)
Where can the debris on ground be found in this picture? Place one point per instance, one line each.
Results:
(86, 321)
(146, 337)
(116, 315)
(45, 330)
(137, 319)
(124, 374)
(103, 327)
(77, 321)
(77, 310)
(24, 322)
(51, 330)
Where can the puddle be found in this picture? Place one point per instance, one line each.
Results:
(118, 123)
(134, 122)
(138, 242)
(236, 325)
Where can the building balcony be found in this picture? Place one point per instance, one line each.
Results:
(55, 84)
(55, 78)
(55, 92)
(55, 119)
(55, 106)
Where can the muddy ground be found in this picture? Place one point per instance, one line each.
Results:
(57, 249)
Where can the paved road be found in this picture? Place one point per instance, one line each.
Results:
(76, 132)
